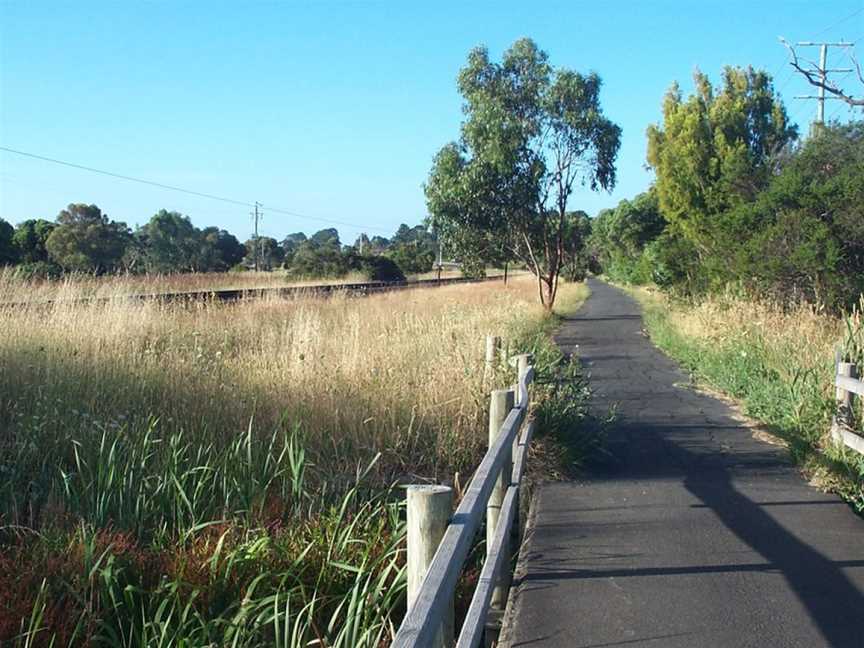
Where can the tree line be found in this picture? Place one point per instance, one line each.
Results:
(84, 239)
(741, 200)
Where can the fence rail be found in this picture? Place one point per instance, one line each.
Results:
(494, 489)
(847, 387)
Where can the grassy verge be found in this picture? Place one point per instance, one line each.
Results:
(777, 362)
(222, 474)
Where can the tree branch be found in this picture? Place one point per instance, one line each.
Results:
(814, 77)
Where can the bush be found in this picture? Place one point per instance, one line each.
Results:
(377, 268)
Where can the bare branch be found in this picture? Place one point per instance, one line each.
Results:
(814, 77)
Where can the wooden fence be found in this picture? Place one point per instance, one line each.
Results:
(847, 387)
(439, 539)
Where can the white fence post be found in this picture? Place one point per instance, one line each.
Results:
(429, 512)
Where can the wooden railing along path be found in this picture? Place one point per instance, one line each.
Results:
(847, 387)
(439, 540)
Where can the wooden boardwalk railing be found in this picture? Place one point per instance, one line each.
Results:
(494, 489)
(847, 387)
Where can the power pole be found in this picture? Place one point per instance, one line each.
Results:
(256, 215)
(440, 257)
(823, 77)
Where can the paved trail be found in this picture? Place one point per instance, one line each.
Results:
(698, 535)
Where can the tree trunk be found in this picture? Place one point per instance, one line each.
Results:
(547, 293)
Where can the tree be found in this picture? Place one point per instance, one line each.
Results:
(620, 236)
(86, 240)
(531, 135)
(716, 150)
(290, 244)
(807, 227)
(329, 236)
(221, 250)
(577, 232)
(269, 253)
(30, 238)
(8, 249)
(413, 249)
(170, 243)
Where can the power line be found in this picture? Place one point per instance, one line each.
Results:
(190, 192)
(841, 21)
(125, 177)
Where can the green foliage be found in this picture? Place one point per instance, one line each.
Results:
(265, 253)
(716, 150)
(531, 135)
(315, 260)
(809, 223)
(220, 250)
(620, 236)
(30, 238)
(8, 249)
(170, 243)
(377, 268)
(413, 248)
(85, 240)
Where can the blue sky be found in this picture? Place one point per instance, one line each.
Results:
(333, 110)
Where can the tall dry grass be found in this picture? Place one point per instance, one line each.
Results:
(218, 473)
(18, 288)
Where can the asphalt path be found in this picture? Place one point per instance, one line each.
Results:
(694, 533)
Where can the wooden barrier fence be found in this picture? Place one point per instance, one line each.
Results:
(439, 540)
(847, 387)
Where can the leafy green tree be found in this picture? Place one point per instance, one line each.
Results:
(220, 250)
(269, 253)
(807, 228)
(30, 238)
(577, 232)
(170, 243)
(8, 249)
(314, 261)
(378, 244)
(413, 249)
(87, 240)
(532, 134)
(716, 150)
(620, 236)
(329, 236)
(290, 244)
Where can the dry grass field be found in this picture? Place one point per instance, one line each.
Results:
(85, 285)
(210, 474)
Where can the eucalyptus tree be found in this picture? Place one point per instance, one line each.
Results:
(532, 134)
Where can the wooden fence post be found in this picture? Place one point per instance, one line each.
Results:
(523, 362)
(429, 512)
(845, 399)
(501, 403)
(493, 348)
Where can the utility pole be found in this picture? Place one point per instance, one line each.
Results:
(823, 77)
(256, 215)
(440, 258)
